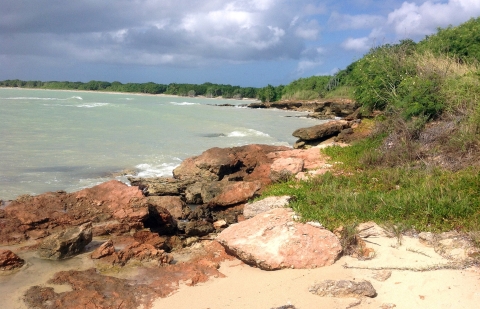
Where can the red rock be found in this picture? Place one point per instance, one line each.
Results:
(231, 163)
(235, 193)
(173, 204)
(143, 252)
(283, 168)
(104, 250)
(9, 260)
(147, 237)
(273, 240)
(53, 211)
(312, 157)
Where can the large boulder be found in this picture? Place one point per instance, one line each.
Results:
(112, 207)
(321, 131)
(236, 163)
(9, 260)
(67, 243)
(273, 240)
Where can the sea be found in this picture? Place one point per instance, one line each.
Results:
(69, 140)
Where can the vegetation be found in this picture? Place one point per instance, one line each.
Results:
(207, 89)
(420, 166)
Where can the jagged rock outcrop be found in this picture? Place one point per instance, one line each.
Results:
(67, 243)
(273, 240)
(323, 109)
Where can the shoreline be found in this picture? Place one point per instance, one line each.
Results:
(251, 100)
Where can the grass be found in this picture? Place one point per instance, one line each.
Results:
(426, 199)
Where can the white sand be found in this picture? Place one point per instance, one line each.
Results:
(248, 287)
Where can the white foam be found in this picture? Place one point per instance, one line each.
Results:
(90, 105)
(248, 132)
(43, 99)
(149, 170)
(184, 103)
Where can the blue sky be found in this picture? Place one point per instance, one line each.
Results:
(238, 42)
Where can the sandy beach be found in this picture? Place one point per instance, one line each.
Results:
(249, 287)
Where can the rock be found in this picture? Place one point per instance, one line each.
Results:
(370, 229)
(451, 245)
(321, 131)
(173, 204)
(273, 240)
(147, 237)
(159, 186)
(193, 193)
(324, 108)
(143, 252)
(249, 162)
(219, 224)
(199, 228)
(381, 275)
(250, 210)
(284, 168)
(9, 260)
(90, 289)
(343, 288)
(104, 250)
(67, 243)
(111, 203)
(160, 220)
(202, 212)
(230, 192)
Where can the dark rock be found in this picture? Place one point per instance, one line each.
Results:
(321, 131)
(160, 220)
(200, 212)
(199, 228)
(66, 243)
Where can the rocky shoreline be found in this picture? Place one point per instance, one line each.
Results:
(121, 246)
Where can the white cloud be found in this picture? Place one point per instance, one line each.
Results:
(412, 19)
(357, 44)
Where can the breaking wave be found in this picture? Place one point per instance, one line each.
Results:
(248, 132)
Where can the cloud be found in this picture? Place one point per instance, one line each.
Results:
(412, 19)
(149, 32)
(357, 44)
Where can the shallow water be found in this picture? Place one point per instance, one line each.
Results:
(65, 140)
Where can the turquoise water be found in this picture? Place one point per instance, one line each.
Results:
(65, 140)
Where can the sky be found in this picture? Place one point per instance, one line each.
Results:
(237, 42)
